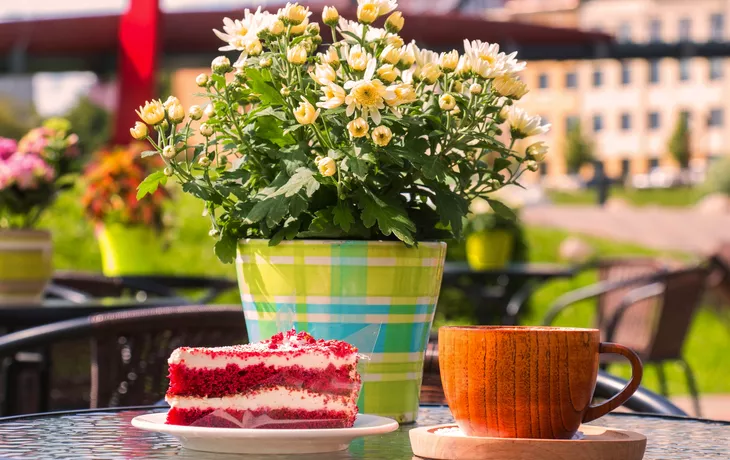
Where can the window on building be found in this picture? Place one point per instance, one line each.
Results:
(654, 120)
(686, 116)
(625, 73)
(653, 163)
(654, 71)
(685, 30)
(597, 78)
(715, 68)
(571, 80)
(684, 69)
(543, 169)
(625, 121)
(717, 27)
(624, 33)
(597, 123)
(715, 118)
(542, 82)
(625, 168)
(571, 122)
(655, 31)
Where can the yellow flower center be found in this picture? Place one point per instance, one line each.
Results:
(359, 130)
(487, 57)
(366, 94)
(242, 31)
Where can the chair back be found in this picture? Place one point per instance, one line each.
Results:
(616, 270)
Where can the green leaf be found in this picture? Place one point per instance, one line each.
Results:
(303, 178)
(150, 184)
(289, 231)
(267, 93)
(451, 208)
(500, 164)
(355, 165)
(342, 216)
(149, 153)
(202, 191)
(225, 248)
(502, 209)
(390, 216)
(268, 127)
(271, 209)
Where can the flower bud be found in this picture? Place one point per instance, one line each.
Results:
(169, 152)
(175, 112)
(254, 47)
(537, 151)
(195, 112)
(209, 111)
(313, 29)
(407, 60)
(327, 166)
(297, 54)
(330, 16)
(449, 61)
(221, 65)
(391, 54)
(277, 28)
(395, 22)
(266, 62)
(382, 136)
(306, 114)
(206, 130)
(164, 125)
(367, 13)
(388, 73)
(475, 89)
(285, 91)
(201, 80)
(139, 131)
(510, 87)
(531, 165)
(168, 171)
(394, 40)
(358, 127)
(204, 161)
(293, 14)
(429, 73)
(152, 112)
(213, 232)
(447, 102)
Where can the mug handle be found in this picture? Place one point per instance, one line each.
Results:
(637, 373)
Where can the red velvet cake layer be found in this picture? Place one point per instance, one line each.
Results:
(231, 380)
(291, 419)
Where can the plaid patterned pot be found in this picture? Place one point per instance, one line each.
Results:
(345, 289)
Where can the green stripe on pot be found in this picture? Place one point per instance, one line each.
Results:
(378, 295)
(128, 250)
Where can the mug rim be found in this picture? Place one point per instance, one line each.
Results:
(519, 329)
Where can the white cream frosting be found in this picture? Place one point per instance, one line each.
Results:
(308, 360)
(277, 398)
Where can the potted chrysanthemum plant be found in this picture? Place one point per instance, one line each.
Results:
(127, 229)
(32, 173)
(330, 172)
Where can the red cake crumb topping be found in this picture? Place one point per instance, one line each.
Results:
(264, 417)
(216, 383)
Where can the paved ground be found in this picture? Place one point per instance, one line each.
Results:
(661, 228)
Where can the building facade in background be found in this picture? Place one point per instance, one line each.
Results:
(629, 109)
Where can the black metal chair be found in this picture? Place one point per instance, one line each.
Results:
(650, 313)
(121, 356)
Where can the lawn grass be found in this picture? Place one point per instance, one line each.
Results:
(186, 248)
(674, 197)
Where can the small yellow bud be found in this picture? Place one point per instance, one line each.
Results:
(388, 73)
(537, 151)
(168, 171)
(285, 91)
(293, 14)
(170, 101)
(358, 127)
(447, 102)
(510, 87)
(209, 111)
(266, 62)
(449, 61)
(139, 131)
(458, 86)
(297, 55)
(206, 130)
(254, 47)
(367, 13)
(169, 152)
(407, 60)
(313, 29)
(394, 40)
(475, 89)
(221, 65)
(201, 80)
(327, 166)
(277, 28)
(531, 165)
(330, 16)
(204, 161)
(429, 73)
(175, 112)
(330, 57)
(195, 112)
(306, 114)
(395, 22)
(152, 112)
(391, 54)
(382, 136)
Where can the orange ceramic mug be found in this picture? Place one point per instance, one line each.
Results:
(526, 382)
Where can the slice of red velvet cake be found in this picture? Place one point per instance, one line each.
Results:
(288, 381)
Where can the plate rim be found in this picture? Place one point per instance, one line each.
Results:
(633, 436)
(387, 425)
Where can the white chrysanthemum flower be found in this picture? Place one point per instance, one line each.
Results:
(538, 151)
(487, 61)
(384, 6)
(324, 74)
(367, 95)
(357, 58)
(400, 94)
(522, 124)
(356, 29)
(334, 96)
(422, 56)
(238, 32)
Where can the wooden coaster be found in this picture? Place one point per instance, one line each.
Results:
(597, 443)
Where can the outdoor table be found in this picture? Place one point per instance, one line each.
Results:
(498, 294)
(108, 434)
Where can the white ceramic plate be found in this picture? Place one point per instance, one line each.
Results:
(267, 441)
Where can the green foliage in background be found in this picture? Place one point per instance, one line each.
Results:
(12, 123)
(578, 149)
(718, 177)
(92, 123)
(679, 143)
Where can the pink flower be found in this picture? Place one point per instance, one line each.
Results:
(25, 171)
(7, 147)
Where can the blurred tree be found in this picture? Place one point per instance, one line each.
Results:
(92, 123)
(578, 150)
(679, 146)
(12, 123)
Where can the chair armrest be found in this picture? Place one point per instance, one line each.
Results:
(632, 298)
(642, 401)
(67, 293)
(589, 292)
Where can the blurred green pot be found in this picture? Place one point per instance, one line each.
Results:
(488, 249)
(127, 250)
(26, 266)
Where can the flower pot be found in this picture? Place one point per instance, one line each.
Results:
(26, 266)
(334, 289)
(488, 249)
(127, 250)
